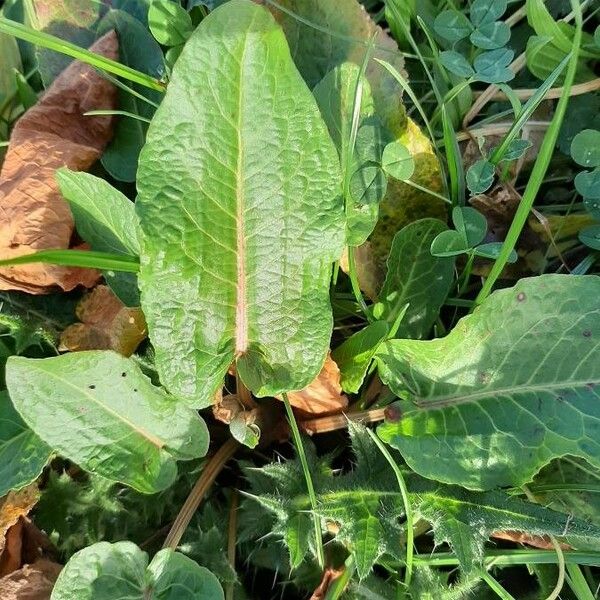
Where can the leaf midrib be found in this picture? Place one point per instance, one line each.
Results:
(452, 400)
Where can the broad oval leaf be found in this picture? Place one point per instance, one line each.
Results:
(99, 410)
(23, 455)
(121, 571)
(512, 386)
(240, 206)
(417, 278)
(585, 148)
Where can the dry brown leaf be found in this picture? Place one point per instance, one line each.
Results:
(52, 134)
(536, 541)
(106, 324)
(14, 506)
(324, 395)
(329, 576)
(32, 582)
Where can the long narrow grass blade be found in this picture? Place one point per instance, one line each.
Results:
(39, 38)
(104, 261)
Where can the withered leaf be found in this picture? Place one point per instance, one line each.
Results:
(106, 324)
(52, 134)
(14, 506)
(368, 269)
(324, 395)
(32, 582)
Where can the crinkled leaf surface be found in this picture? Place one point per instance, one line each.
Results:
(23, 455)
(512, 386)
(241, 212)
(119, 425)
(417, 278)
(121, 571)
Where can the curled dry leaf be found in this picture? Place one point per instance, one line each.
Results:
(536, 541)
(52, 134)
(32, 582)
(324, 395)
(106, 324)
(15, 505)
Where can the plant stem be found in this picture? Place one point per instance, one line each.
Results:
(540, 167)
(309, 483)
(407, 507)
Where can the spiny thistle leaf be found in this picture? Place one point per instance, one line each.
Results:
(363, 509)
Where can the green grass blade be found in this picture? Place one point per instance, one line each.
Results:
(88, 259)
(527, 111)
(494, 585)
(45, 40)
(407, 507)
(121, 113)
(540, 167)
(578, 584)
(307, 476)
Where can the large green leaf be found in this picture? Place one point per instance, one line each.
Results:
(512, 386)
(417, 278)
(241, 212)
(98, 409)
(121, 571)
(22, 454)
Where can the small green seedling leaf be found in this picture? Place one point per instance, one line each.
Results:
(456, 63)
(354, 356)
(492, 251)
(585, 148)
(491, 35)
(246, 434)
(23, 455)
(484, 12)
(452, 25)
(590, 236)
(587, 183)
(492, 66)
(480, 176)
(368, 184)
(448, 243)
(397, 161)
(169, 23)
(371, 140)
(121, 570)
(470, 223)
(592, 205)
(99, 410)
(516, 149)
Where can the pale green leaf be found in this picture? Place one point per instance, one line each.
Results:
(456, 63)
(452, 25)
(121, 571)
(354, 356)
(511, 387)
(241, 210)
(397, 161)
(484, 12)
(491, 35)
(23, 455)
(585, 148)
(99, 410)
(417, 278)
